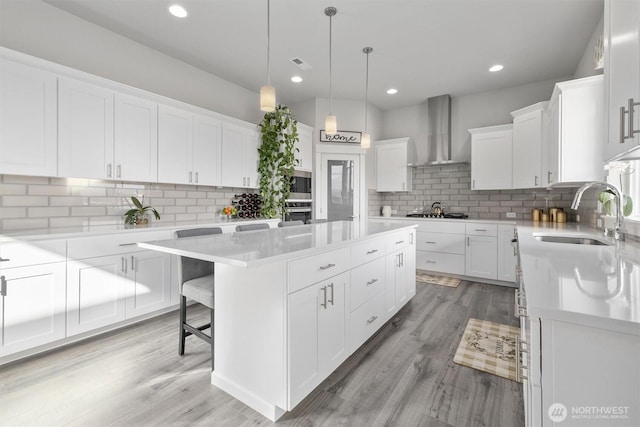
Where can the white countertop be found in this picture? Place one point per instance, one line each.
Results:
(593, 285)
(483, 221)
(251, 248)
(113, 228)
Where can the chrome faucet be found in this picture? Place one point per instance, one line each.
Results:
(619, 232)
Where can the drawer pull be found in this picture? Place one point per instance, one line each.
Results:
(430, 242)
(399, 242)
(371, 282)
(430, 262)
(373, 319)
(4, 259)
(127, 244)
(373, 251)
(3, 286)
(480, 229)
(328, 266)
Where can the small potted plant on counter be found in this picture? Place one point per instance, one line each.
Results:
(138, 216)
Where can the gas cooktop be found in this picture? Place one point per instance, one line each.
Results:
(451, 215)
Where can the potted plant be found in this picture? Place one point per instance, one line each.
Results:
(138, 216)
(277, 159)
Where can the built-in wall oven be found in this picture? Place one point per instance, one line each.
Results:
(300, 203)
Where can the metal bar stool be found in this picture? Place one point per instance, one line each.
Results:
(196, 283)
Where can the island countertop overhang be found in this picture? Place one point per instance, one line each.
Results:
(254, 248)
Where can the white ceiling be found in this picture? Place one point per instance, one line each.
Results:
(421, 47)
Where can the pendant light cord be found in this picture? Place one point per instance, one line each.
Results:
(330, 72)
(268, 43)
(366, 91)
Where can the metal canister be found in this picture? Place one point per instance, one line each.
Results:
(552, 214)
(561, 216)
(535, 214)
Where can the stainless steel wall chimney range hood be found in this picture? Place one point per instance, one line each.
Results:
(439, 133)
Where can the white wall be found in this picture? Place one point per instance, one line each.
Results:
(585, 67)
(39, 29)
(468, 111)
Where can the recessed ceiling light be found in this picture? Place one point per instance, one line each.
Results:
(296, 79)
(495, 68)
(178, 11)
(392, 91)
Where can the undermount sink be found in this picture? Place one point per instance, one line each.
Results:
(576, 240)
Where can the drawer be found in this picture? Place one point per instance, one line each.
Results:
(21, 254)
(91, 247)
(366, 320)
(367, 281)
(441, 242)
(479, 229)
(399, 240)
(367, 251)
(306, 271)
(441, 226)
(440, 262)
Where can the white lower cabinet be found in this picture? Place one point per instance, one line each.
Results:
(32, 306)
(148, 286)
(507, 257)
(482, 250)
(317, 334)
(95, 293)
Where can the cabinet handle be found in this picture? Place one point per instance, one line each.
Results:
(536, 181)
(473, 183)
(132, 263)
(399, 242)
(190, 176)
(4, 259)
(373, 319)
(118, 171)
(109, 170)
(371, 282)
(403, 185)
(622, 136)
(127, 244)
(430, 262)
(324, 292)
(3, 286)
(248, 181)
(430, 242)
(468, 240)
(326, 267)
(331, 300)
(481, 229)
(123, 261)
(632, 131)
(196, 177)
(411, 239)
(373, 251)
(548, 177)
(402, 259)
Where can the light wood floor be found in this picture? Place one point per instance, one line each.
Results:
(403, 376)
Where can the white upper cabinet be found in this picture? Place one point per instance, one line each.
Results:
(622, 76)
(527, 146)
(189, 147)
(85, 126)
(136, 139)
(573, 127)
(175, 129)
(240, 152)
(105, 134)
(305, 145)
(28, 127)
(393, 157)
(491, 157)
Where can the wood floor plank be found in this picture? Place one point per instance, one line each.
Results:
(403, 376)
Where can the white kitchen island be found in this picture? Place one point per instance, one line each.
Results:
(291, 304)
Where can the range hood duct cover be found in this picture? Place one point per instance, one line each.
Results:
(439, 132)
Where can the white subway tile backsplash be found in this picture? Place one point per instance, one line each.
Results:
(68, 201)
(16, 212)
(19, 179)
(24, 223)
(13, 189)
(47, 212)
(88, 211)
(48, 190)
(25, 201)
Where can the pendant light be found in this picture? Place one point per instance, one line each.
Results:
(330, 123)
(268, 92)
(365, 141)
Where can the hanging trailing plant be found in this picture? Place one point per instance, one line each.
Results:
(277, 154)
